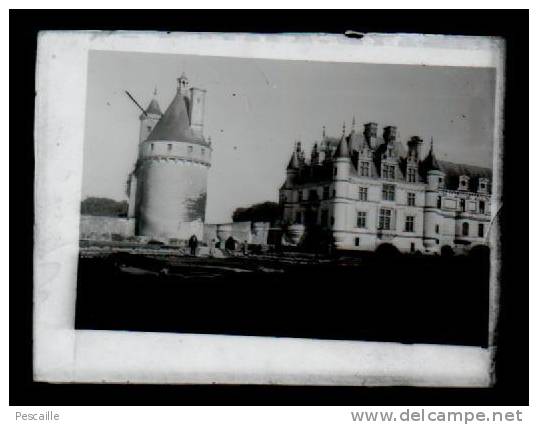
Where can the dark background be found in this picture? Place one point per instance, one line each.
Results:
(511, 387)
(372, 297)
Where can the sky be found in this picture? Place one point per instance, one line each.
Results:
(256, 109)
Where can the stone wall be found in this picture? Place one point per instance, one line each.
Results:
(103, 228)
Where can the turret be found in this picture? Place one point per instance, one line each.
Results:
(314, 155)
(292, 169)
(435, 177)
(342, 166)
(151, 115)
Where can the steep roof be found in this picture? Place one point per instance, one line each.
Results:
(453, 172)
(430, 162)
(294, 161)
(175, 123)
(154, 108)
(343, 149)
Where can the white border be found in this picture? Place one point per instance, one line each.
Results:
(62, 354)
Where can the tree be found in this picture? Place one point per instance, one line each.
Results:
(104, 207)
(263, 212)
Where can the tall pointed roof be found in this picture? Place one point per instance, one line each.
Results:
(430, 162)
(154, 108)
(343, 149)
(294, 161)
(175, 123)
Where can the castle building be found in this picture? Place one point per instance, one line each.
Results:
(167, 189)
(365, 190)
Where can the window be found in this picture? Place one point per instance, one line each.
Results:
(189, 149)
(384, 218)
(412, 246)
(462, 204)
(440, 180)
(149, 128)
(388, 171)
(326, 192)
(334, 193)
(465, 229)
(298, 217)
(412, 175)
(324, 218)
(332, 221)
(202, 151)
(361, 219)
(439, 199)
(388, 192)
(365, 168)
(409, 223)
(152, 147)
(357, 241)
(437, 228)
(335, 170)
(411, 199)
(169, 147)
(313, 195)
(385, 171)
(482, 186)
(300, 195)
(480, 230)
(363, 193)
(481, 207)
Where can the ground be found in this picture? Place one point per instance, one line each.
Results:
(411, 299)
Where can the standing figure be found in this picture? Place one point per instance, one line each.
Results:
(229, 245)
(212, 243)
(193, 244)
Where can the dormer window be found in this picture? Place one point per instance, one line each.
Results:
(389, 172)
(483, 183)
(412, 175)
(365, 168)
(464, 183)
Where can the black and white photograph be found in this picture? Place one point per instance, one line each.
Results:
(301, 209)
(287, 198)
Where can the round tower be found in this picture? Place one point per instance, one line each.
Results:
(433, 204)
(342, 165)
(172, 170)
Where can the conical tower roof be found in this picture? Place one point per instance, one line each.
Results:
(294, 161)
(175, 123)
(154, 108)
(343, 149)
(430, 162)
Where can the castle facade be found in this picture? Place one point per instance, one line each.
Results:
(364, 190)
(167, 189)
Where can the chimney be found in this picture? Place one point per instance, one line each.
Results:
(389, 133)
(414, 147)
(370, 130)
